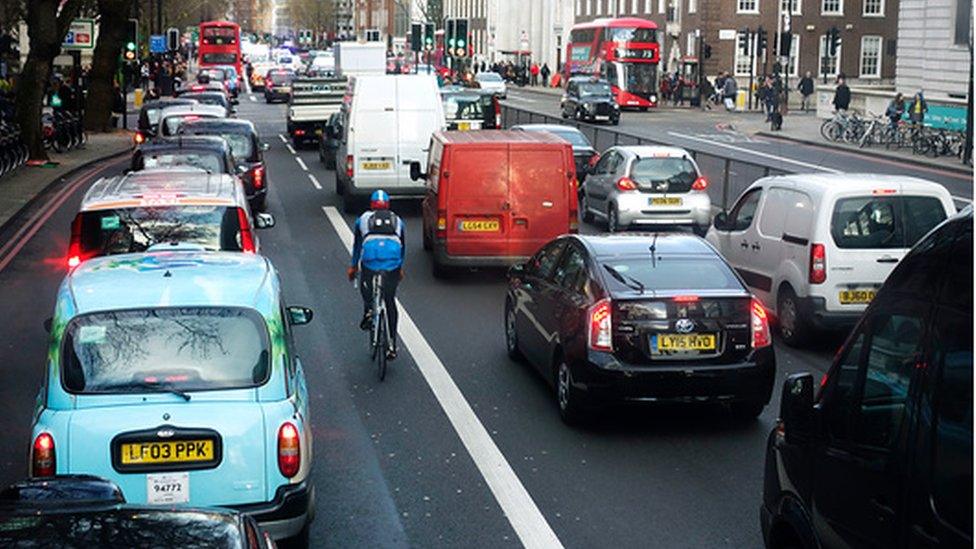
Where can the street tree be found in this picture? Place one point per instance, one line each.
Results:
(315, 15)
(112, 16)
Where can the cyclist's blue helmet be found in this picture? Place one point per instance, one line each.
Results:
(379, 200)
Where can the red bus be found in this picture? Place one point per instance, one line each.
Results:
(220, 44)
(625, 51)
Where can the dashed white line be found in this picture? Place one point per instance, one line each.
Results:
(301, 163)
(314, 181)
(756, 153)
(290, 148)
(516, 503)
(283, 139)
(251, 97)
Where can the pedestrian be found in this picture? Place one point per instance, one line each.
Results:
(842, 95)
(729, 91)
(706, 93)
(719, 87)
(679, 91)
(895, 111)
(806, 90)
(916, 111)
(534, 71)
(118, 104)
(773, 104)
(544, 72)
(665, 89)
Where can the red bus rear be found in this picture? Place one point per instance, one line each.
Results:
(220, 44)
(625, 51)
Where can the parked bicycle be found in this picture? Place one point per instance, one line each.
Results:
(13, 150)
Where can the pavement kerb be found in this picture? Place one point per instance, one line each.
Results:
(44, 191)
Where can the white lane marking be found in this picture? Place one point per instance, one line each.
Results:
(283, 139)
(519, 99)
(251, 97)
(301, 163)
(315, 181)
(290, 148)
(516, 503)
(756, 153)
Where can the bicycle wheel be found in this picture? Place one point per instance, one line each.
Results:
(829, 129)
(381, 346)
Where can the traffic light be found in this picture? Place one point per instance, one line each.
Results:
(707, 51)
(745, 38)
(131, 40)
(416, 29)
(173, 39)
(428, 36)
(833, 40)
(763, 39)
(450, 30)
(461, 37)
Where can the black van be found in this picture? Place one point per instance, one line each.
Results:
(883, 457)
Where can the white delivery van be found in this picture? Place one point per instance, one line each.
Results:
(815, 248)
(386, 126)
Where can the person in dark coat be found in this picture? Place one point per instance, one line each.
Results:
(895, 110)
(544, 72)
(842, 95)
(916, 111)
(806, 90)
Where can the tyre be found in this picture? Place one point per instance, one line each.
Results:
(615, 121)
(511, 336)
(585, 209)
(330, 163)
(428, 244)
(793, 327)
(439, 269)
(382, 344)
(570, 401)
(829, 130)
(747, 409)
(340, 187)
(613, 221)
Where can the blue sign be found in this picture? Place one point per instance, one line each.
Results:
(157, 43)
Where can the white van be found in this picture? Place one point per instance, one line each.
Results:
(387, 125)
(815, 248)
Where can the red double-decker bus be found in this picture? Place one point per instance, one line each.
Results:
(220, 44)
(625, 51)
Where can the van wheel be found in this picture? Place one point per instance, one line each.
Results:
(570, 401)
(428, 245)
(747, 410)
(339, 185)
(792, 326)
(613, 223)
(439, 269)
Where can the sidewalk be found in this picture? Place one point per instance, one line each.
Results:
(22, 185)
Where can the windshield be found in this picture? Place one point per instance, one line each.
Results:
(219, 36)
(463, 108)
(186, 349)
(284, 60)
(204, 160)
(489, 77)
(152, 115)
(594, 88)
(120, 528)
(133, 230)
(575, 138)
(219, 58)
(646, 171)
(173, 123)
(639, 78)
(632, 34)
(884, 221)
(674, 273)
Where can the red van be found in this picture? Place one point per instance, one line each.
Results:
(494, 197)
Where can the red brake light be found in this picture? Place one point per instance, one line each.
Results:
(299, 132)
(818, 264)
(441, 224)
(685, 298)
(139, 138)
(760, 325)
(626, 184)
(74, 247)
(289, 450)
(601, 330)
(700, 184)
(349, 165)
(244, 225)
(258, 177)
(498, 112)
(43, 461)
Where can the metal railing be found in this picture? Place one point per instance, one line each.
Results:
(728, 176)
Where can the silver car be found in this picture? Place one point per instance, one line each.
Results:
(646, 186)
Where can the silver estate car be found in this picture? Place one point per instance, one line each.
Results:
(645, 186)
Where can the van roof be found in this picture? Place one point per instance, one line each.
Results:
(162, 187)
(828, 184)
(494, 137)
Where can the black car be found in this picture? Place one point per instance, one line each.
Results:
(331, 134)
(584, 154)
(84, 510)
(209, 153)
(883, 456)
(149, 115)
(212, 98)
(639, 318)
(248, 152)
(471, 109)
(588, 98)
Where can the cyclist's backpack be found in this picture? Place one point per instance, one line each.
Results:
(383, 222)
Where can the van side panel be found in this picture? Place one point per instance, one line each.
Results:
(419, 113)
(477, 200)
(539, 196)
(373, 139)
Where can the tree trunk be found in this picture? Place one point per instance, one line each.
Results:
(98, 112)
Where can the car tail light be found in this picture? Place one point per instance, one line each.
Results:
(700, 184)
(601, 334)
(299, 132)
(626, 184)
(43, 461)
(685, 298)
(818, 264)
(349, 165)
(74, 246)
(139, 138)
(441, 224)
(269, 83)
(258, 177)
(247, 239)
(498, 112)
(760, 325)
(289, 450)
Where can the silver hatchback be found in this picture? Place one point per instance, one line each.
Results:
(647, 187)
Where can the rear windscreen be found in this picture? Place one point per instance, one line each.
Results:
(133, 230)
(203, 160)
(575, 138)
(280, 79)
(463, 108)
(884, 221)
(673, 273)
(670, 169)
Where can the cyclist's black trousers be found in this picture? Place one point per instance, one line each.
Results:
(391, 279)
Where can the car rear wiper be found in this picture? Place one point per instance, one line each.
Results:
(626, 280)
(153, 387)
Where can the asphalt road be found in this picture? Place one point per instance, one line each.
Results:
(398, 463)
(715, 135)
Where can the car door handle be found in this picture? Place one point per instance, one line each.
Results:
(888, 260)
(755, 246)
(744, 244)
(921, 533)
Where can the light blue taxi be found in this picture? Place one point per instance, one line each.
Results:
(173, 373)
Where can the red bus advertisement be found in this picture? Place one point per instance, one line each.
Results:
(220, 44)
(625, 51)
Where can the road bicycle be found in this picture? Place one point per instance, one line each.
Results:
(379, 332)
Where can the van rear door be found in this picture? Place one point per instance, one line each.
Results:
(419, 114)
(477, 200)
(374, 135)
(539, 201)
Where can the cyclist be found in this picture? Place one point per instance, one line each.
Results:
(379, 249)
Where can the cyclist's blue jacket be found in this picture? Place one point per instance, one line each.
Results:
(377, 252)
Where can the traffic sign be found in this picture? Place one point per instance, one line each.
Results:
(80, 36)
(157, 43)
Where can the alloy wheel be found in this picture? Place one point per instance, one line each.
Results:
(564, 384)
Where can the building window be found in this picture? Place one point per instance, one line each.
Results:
(831, 7)
(794, 69)
(748, 6)
(579, 7)
(870, 57)
(874, 8)
(589, 7)
(964, 14)
(793, 7)
(828, 63)
(743, 59)
(648, 6)
(633, 7)
(598, 7)
(692, 6)
(661, 6)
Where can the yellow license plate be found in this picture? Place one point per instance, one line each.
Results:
(464, 126)
(376, 165)
(480, 225)
(170, 451)
(666, 201)
(686, 342)
(854, 297)
(318, 131)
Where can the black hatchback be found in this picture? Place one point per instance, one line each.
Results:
(588, 98)
(883, 456)
(639, 318)
(248, 152)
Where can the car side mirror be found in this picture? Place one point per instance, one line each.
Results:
(264, 221)
(721, 221)
(298, 316)
(48, 324)
(796, 407)
(241, 169)
(516, 270)
(415, 173)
